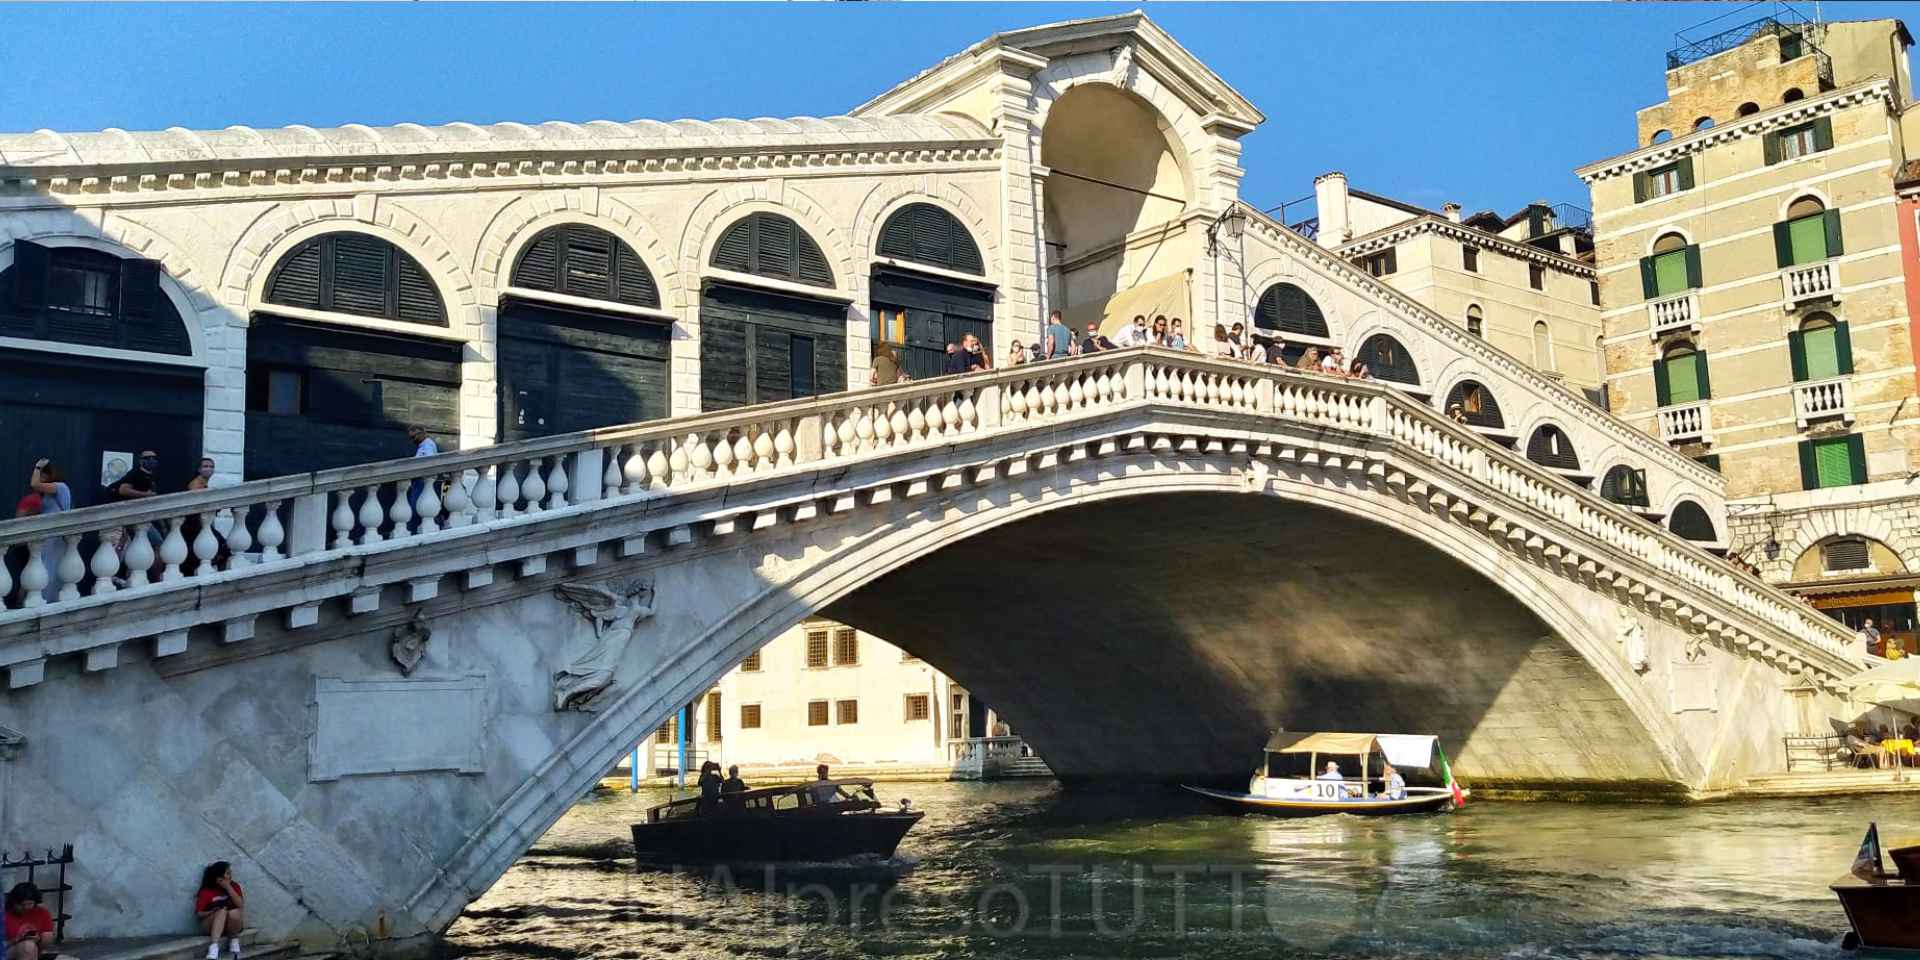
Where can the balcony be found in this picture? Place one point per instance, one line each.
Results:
(1685, 424)
(1822, 399)
(1675, 314)
(1809, 281)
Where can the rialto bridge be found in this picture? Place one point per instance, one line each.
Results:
(374, 684)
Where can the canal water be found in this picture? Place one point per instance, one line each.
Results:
(1024, 870)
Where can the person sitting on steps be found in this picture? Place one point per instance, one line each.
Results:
(218, 905)
(29, 927)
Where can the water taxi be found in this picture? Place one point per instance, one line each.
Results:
(816, 822)
(1882, 908)
(1309, 774)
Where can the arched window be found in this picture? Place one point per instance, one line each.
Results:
(582, 261)
(1475, 404)
(1690, 520)
(1660, 136)
(1703, 123)
(1821, 348)
(1550, 447)
(924, 233)
(1287, 309)
(1680, 376)
(770, 245)
(1792, 94)
(1809, 234)
(1747, 109)
(1625, 486)
(89, 297)
(358, 274)
(1542, 346)
(1671, 269)
(1386, 359)
(1476, 325)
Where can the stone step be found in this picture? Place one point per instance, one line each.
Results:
(1818, 783)
(180, 947)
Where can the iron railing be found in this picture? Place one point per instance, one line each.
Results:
(1783, 22)
(60, 887)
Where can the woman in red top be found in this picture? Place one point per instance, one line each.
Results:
(218, 904)
(29, 925)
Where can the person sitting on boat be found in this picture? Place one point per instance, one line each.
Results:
(1394, 785)
(709, 785)
(824, 790)
(733, 783)
(1331, 773)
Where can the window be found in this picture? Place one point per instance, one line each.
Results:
(800, 379)
(889, 326)
(1380, 264)
(770, 245)
(1848, 554)
(1476, 405)
(1625, 485)
(79, 295)
(1820, 349)
(917, 707)
(846, 647)
(1536, 276)
(1690, 521)
(1703, 123)
(1792, 47)
(1796, 142)
(1593, 291)
(1747, 109)
(1550, 447)
(816, 713)
(358, 274)
(846, 711)
(1810, 234)
(924, 233)
(80, 288)
(1542, 346)
(816, 648)
(1661, 181)
(1792, 94)
(1833, 462)
(1288, 309)
(276, 390)
(582, 261)
(957, 717)
(713, 717)
(751, 664)
(1680, 377)
(1470, 258)
(1474, 322)
(666, 732)
(1660, 136)
(749, 716)
(1388, 360)
(1673, 268)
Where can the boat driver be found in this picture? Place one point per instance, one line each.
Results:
(1332, 772)
(1395, 786)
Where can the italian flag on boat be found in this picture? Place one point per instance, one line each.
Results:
(1446, 770)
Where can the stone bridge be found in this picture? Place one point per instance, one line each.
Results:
(374, 688)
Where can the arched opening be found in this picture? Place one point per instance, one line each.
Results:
(1671, 268)
(1747, 109)
(1118, 181)
(766, 342)
(583, 343)
(1792, 94)
(1476, 323)
(1626, 486)
(1472, 403)
(1703, 123)
(1287, 310)
(1809, 234)
(916, 313)
(1542, 346)
(1387, 359)
(1690, 520)
(1820, 348)
(1828, 574)
(98, 386)
(1660, 136)
(1551, 447)
(1680, 375)
(325, 389)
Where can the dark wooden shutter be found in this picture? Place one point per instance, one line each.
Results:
(812, 264)
(29, 275)
(1700, 369)
(1857, 457)
(1770, 147)
(735, 249)
(1640, 187)
(1809, 467)
(1649, 281)
(1662, 390)
(1842, 348)
(1797, 350)
(1289, 309)
(362, 275)
(1685, 168)
(1693, 266)
(1782, 245)
(586, 264)
(636, 285)
(296, 281)
(539, 266)
(1832, 221)
(418, 299)
(139, 288)
(774, 247)
(1823, 133)
(1388, 360)
(924, 233)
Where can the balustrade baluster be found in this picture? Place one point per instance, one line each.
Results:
(459, 502)
(783, 446)
(205, 547)
(660, 465)
(863, 429)
(486, 505)
(342, 518)
(71, 569)
(950, 415)
(611, 477)
(634, 471)
(969, 414)
(533, 487)
(271, 534)
(173, 551)
(138, 547)
(745, 460)
(6, 580)
(34, 576)
(236, 539)
(917, 421)
(373, 513)
(766, 453)
(429, 504)
(557, 482)
(105, 566)
(700, 456)
(401, 514)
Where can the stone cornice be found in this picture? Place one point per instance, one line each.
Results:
(1571, 404)
(1402, 232)
(1785, 115)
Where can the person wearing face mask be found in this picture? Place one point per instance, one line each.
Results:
(139, 483)
(203, 477)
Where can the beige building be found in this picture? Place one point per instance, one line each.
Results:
(1754, 306)
(1524, 283)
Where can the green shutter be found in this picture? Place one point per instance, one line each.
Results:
(1782, 245)
(1683, 379)
(1857, 457)
(1700, 373)
(1640, 187)
(1770, 146)
(1809, 468)
(1686, 173)
(1823, 133)
(1797, 350)
(1833, 459)
(1808, 236)
(1819, 353)
(1670, 272)
(1831, 218)
(1649, 285)
(1842, 350)
(1693, 266)
(1662, 393)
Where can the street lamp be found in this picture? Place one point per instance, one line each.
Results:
(1233, 219)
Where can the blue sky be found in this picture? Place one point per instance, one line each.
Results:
(1490, 105)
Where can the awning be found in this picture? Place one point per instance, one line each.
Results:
(1167, 295)
(1408, 749)
(1861, 592)
(1354, 744)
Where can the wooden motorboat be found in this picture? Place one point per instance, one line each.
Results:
(821, 821)
(1883, 908)
(1311, 774)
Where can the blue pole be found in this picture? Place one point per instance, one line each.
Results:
(686, 721)
(633, 771)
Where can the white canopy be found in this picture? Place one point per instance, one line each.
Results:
(1407, 749)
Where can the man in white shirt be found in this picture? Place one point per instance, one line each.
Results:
(423, 446)
(1132, 335)
(1330, 362)
(1395, 787)
(1331, 773)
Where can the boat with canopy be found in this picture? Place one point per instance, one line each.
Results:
(1309, 774)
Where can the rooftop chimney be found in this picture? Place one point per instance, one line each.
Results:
(1452, 210)
(1330, 197)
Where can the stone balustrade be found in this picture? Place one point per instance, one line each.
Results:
(113, 553)
(1673, 314)
(1821, 399)
(1688, 422)
(1809, 281)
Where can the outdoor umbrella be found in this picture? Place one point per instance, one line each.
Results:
(1890, 684)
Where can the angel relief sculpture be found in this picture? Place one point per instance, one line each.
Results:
(614, 612)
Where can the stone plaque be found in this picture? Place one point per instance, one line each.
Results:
(1694, 687)
(363, 727)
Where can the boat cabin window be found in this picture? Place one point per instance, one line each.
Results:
(786, 801)
(1289, 766)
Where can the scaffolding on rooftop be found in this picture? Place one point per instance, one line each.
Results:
(1736, 28)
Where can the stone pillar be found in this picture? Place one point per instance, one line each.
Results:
(479, 389)
(1022, 208)
(223, 427)
(1330, 197)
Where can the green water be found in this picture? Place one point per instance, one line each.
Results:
(1024, 870)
